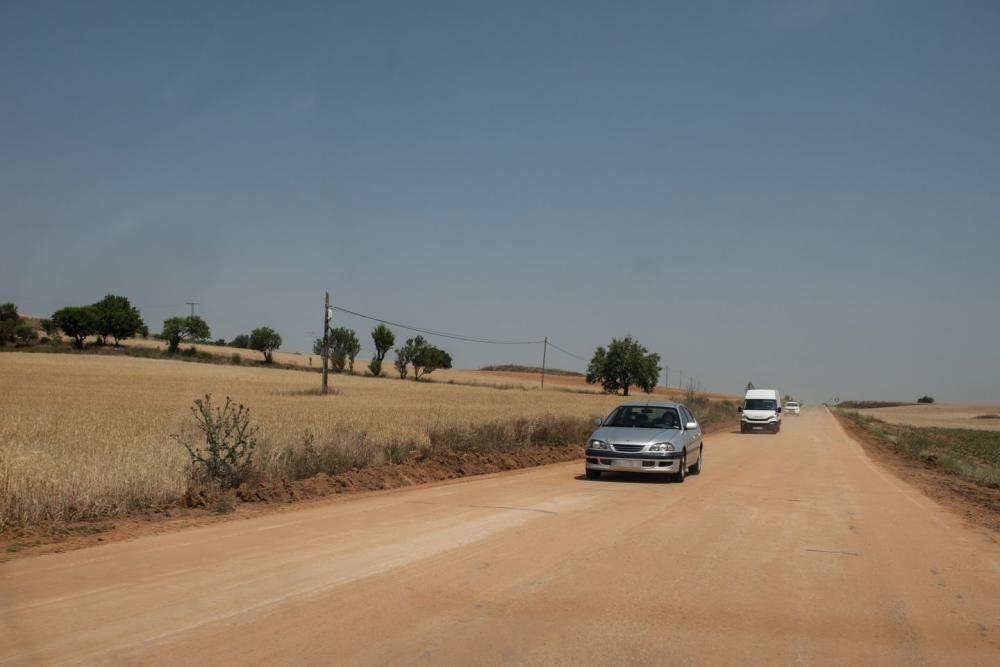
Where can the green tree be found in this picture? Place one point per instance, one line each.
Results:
(117, 318)
(402, 362)
(625, 363)
(9, 322)
(242, 341)
(925, 399)
(13, 328)
(423, 356)
(384, 340)
(77, 322)
(342, 346)
(177, 329)
(265, 340)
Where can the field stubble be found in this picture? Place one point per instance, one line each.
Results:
(85, 437)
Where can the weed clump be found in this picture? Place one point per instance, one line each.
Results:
(230, 439)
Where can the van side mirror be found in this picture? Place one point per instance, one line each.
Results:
(739, 408)
(598, 421)
(779, 410)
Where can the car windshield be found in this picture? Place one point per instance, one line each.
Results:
(760, 404)
(792, 405)
(639, 416)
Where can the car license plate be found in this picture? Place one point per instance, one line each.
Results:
(758, 428)
(628, 463)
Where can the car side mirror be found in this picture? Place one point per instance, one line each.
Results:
(598, 421)
(690, 426)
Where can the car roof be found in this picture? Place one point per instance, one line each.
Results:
(650, 404)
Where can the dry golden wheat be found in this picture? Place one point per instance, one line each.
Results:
(86, 436)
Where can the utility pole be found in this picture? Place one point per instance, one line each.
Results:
(326, 355)
(666, 376)
(545, 348)
(680, 383)
(192, 304)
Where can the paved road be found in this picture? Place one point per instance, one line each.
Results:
(792, 548)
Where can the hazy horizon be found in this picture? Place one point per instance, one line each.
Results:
(801, 194)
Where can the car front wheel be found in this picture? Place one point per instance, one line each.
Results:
(682, 472)
(696, 468)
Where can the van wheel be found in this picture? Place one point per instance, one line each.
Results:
(696, 468)
(682, 472)
(593, 474)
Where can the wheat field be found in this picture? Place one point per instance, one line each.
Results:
(84, 436)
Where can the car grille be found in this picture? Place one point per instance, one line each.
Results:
(628, 448)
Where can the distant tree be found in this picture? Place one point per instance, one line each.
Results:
(77, 322)
(402, 362)
(9, 322)
(13, 328)
(177, 329)
(343, 346)
(384, 339)
(265, 340)
(423, 356)
(50, 329)
(925, 399)
(143, 331)
(625, 363)
(116, 318)
(242, 341)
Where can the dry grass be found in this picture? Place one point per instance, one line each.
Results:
(86, 436)
(940, 415)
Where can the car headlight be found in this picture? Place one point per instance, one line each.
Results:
(599, 444)
(661, 447)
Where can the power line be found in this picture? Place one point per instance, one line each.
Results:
(443, 334)
(575, 356)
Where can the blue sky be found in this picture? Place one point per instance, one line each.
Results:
(805, 194)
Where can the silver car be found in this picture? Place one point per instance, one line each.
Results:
(655, 438)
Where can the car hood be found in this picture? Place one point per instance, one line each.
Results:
(635, 436)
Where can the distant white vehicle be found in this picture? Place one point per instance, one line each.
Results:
(792, 408)
(761, 411)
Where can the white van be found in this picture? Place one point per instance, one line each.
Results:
(761, 411)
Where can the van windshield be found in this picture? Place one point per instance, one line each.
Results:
(760, 404)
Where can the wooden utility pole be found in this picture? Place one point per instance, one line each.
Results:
(326, 353)
(545, 348)
(666, 376)
(680, 383)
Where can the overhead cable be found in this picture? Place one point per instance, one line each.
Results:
(443, 334)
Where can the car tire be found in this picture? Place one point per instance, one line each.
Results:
(682, 471)
(696, 468)
(593, 474)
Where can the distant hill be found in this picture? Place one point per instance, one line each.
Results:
(515, 368)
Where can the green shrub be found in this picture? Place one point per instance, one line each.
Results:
(230, 439)
(235, 359)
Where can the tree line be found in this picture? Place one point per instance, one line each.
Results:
(342, 347)
(623, 364)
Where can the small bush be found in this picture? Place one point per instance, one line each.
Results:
(189, 351)
(925, 399)
(235, 359)
(230, 439)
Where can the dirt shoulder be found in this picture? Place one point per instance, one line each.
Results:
(251, 501)
(979, 505)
